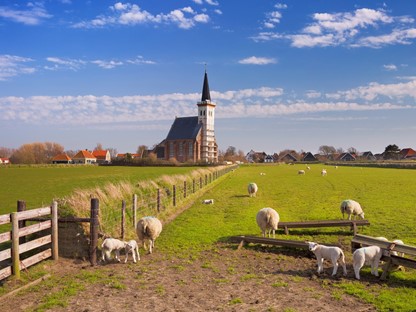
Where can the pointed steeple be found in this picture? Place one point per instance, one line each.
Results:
(206, 96)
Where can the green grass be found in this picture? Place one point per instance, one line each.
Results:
(386, 195)
(38, 186)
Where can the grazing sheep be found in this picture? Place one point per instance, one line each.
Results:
(330, 253)
(252, 189)
(398, 242)
(132, 247)
(262, 173)
(267, 219)
(301, 172)
(371, 255)
(208, 201)
(112, 244)
(351, 207)
(148, 228)
(323, 172)
(307, 167)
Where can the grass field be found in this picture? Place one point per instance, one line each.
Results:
(38, 186)
(387, 196)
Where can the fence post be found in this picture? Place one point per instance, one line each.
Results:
(158, 200)
(174, 195)
(134, 210)
(123, 218)
(193, 186)
(200, 182)
(15, 244)
(55, 250)
(206, 179)
(94, 224)
(21, 206)
(184, 189)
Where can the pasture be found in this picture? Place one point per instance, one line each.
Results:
(386, 195)
(39, 185)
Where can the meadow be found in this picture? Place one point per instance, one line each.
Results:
(39, 185)
(387, 196)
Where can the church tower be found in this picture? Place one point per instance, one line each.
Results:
(206, 117)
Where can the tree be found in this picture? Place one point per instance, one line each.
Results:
(391, 151)
(352, 150)
(141, 150)
(36, 153)
(6, 152)
(99, 147)
(327, 150)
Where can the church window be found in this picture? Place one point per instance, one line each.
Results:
(180, 153)
(171, 150)
(191, 149)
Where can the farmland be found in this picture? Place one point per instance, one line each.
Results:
(195, 243)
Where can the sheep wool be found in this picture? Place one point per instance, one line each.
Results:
(268, 220)
(148, 229)
(252, 189)
(351, 207)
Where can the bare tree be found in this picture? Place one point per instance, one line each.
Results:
(352, 150)
(99, 147)
(141, 150)
(327, 150)
(6, 152)
(36, 153)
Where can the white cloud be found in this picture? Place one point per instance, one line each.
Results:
(390, 67)
(280, 6)
(97, 110)
(107, 64)
(131, 14)
(33, 15)
(62, 63)
(254, 60)
(12, 65)
(361, 28)
(312, 94)
(139, 60)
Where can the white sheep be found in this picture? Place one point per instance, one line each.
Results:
(112, 244)
(252, 189)
(370, 255)
(351, 207)
(208, 201)
(148, 229)
(132, 247)
(307, 167)
(333, 254)
(268, 220)
(301, 172)
(323, 172)
(398, 242)
(262, 173)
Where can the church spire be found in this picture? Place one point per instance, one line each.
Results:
(206, 96)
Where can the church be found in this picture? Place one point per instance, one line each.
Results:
(192, 139)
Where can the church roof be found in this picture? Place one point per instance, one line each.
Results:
(184, 128)
(205, 89)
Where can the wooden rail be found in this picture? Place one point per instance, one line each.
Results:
(19, 247)
(269, 241)
(322, 223)
(359, 241)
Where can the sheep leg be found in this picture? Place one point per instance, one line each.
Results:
(334, 271)
(374, 267)
(320, 265)
(117, 255)
(138, 255)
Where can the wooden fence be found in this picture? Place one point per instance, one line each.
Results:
(15, 258)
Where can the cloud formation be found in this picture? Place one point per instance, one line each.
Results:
(12, 65)
(244, 103)
(34, 14)
(255, 60)
(131, 14)
(348, 29)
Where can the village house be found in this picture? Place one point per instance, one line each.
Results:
(4, 161)
(62, 159)
(84, 157)
(103, 157)
(407, 153)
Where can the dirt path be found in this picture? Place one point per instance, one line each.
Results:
(225, 279)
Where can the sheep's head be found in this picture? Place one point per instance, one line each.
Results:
(361, 215)
(312, 246)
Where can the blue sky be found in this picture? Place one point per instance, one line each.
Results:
(284, 75)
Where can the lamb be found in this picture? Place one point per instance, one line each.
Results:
(371, 255)
(351, 207)
(399, 242)
(112, 244)
(252, 189)
(330, 253)
(208, 201)
(148, 229)
(301, 172)
(131, 246)
(268, 220)
(387, 252)
(323, 172)
(307, 167)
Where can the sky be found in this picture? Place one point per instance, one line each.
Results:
(283, 74)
